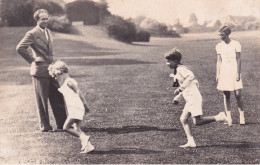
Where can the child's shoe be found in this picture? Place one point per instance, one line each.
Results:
(191, 143)
(88, 148)
(84, 141)
(242, 118)
(229, 119)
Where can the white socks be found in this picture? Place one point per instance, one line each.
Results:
(242, 117)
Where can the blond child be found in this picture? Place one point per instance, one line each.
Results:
(75, 102)
(188, 88)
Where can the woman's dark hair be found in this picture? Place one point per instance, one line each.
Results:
(225, 29)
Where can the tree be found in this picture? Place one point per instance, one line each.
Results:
(193, 19)
(217, 24)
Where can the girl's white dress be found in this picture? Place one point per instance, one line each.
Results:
(228, 69)
(190, 91)
(74, 104)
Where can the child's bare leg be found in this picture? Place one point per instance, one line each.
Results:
(227, 106)
(76, 131)
(238, 95)
(201, 120)
(68, 127)
(184, 120)
(86, 145)
(77, 126)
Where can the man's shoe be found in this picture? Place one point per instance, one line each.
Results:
(47, 129)
(58, 130)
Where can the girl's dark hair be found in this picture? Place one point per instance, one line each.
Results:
(173, 55)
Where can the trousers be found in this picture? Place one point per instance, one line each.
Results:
(46, 88)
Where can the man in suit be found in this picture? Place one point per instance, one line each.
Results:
(40, 41)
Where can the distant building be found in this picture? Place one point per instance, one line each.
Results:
(84, 10)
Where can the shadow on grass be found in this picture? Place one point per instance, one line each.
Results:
(249, 123)
(128, 129)
(120, 151)
(139, 44)
(232, 144)
(102, 62)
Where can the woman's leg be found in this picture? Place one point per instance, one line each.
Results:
(201, 120)
(238, 95)
(226, 95)
(227, 106)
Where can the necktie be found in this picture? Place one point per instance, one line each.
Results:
(46, 34)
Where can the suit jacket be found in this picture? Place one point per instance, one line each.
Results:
(41, 47)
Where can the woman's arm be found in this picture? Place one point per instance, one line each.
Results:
(219, 60)
(238, 57)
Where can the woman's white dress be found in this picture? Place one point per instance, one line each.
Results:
(228, 68)
(74, 104)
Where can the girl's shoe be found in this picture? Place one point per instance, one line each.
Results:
(84, 141)
(191, 143)
(88, 148)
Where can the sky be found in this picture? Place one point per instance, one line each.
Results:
(167, 11)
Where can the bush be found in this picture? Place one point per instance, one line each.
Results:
(143, 36)
(59, 24)
(120, 29)
(54, 7)
(20, 12)
(16, 13)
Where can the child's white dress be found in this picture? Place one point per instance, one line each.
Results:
(74, 104)
(190, 91)
(228, 69)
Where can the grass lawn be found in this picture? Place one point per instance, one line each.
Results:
(132, 119)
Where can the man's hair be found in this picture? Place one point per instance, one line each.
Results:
(225, 29)
(38, 12)
(173, 55)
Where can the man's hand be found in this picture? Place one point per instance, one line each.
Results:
(39, 59)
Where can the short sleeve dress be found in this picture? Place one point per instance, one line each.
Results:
(228, 69)
(73, 102)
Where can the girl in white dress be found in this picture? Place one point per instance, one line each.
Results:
(188, 87)
(228, 75)
(75, 102)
